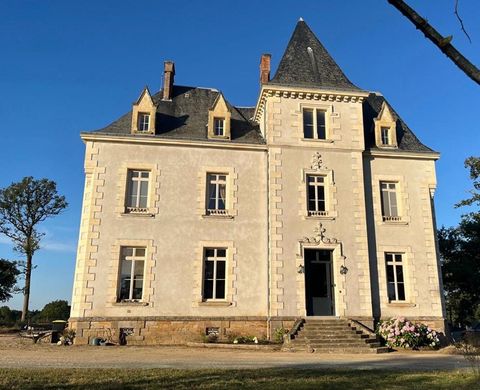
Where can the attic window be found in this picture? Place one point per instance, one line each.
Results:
(385, 135)
(219, 127)
(143, 121)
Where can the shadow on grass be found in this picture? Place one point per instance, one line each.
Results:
(245, 379)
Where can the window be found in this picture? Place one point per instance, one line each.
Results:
(137, 192)
(143, 121)
(316, 204)
(214, 273)
(395, 277)
(389, 201)
(385, 135)
(219, 127)
(132, 265)
(216, 194)
(314, 124)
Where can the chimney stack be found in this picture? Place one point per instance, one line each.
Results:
(265, 68)
(168, 76)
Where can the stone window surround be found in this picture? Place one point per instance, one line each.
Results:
(230, 275)
(385, 119)
(402, 199)
(153, 188)
(408, 275)
(144, 105)
(219, 110)
(329, 115)
(338, 260)
(113, 277)
(231, 191)
(330, 191)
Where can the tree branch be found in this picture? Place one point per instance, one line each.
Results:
(443, 43)
(461, 21)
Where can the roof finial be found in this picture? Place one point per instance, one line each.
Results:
(300, 19)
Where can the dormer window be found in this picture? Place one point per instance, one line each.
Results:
(385, 128)
(219, 118)
(143, 114)
(385, 135)
(219, 127)
(314, 124)
(143, 121)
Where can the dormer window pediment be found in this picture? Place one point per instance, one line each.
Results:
(143, 114)
(219, 118)
(385, 128)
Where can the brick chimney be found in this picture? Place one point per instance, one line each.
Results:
(265, 68)
(168, 76)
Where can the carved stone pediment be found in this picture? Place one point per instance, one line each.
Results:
(319, 237)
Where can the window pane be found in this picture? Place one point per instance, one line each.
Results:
(209, 252)
(138, 269)
(390, 277)
(321, 125)
(385, 204)
(209, 269)
(398, 257)
(124, 288)
(399, 270)
(140, 252)
(144, 174)
(208, 289)
(221, 252)
(137, 289)
(220, 270)
(127, 251)
(308, 123)
(212, 195)
(401, 292)
(221, 199)
(220, 291)
(391, 292)
(393, 204)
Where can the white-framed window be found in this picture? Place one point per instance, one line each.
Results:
(219, 127)
(385, 135)
(217, 193)
(143, 121)
(316, 195)
(215, 265)
(389, 196)
(314, 123)
(132, 268)
(395, 276)
(137, 191)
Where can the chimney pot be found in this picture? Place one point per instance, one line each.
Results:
(168, 78)
(265, 68)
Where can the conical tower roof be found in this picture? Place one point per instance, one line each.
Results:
(307, 63)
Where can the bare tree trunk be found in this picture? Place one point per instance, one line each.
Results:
(26, 290)
(443, 43)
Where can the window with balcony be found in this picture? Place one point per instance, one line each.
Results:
(389, 196)
(316, 198)
(217, 194)
(137, 191)
(132, 267)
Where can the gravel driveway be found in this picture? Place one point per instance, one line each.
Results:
(16, 353)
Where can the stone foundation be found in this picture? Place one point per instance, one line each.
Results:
(177, 330)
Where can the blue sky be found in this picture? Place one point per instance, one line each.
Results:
(71, 66)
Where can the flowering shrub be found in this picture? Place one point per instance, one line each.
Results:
(399, 332)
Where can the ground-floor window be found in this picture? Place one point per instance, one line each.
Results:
(132, 266)
(395, 276)
(215, 260)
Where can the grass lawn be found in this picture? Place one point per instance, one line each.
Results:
(98, 379)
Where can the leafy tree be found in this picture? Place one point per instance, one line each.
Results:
(55, 310)
(8, 279)
(460, 252)
(23, 206)
(6, 316)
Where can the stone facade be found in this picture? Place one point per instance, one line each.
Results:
(265, 226)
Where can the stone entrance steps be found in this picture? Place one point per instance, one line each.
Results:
(332, 336)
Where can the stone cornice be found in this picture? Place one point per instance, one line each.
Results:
(306, 94)
(402, 154)
(96, 137)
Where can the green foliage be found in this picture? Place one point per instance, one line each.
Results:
(8, 279)
(278, 334)
(23, 206)
(55, 310)
(473, 164)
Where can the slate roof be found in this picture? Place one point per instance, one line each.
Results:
(186, 117)
(307, 63)
(406, 140)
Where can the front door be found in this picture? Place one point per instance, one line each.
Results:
(319, 282)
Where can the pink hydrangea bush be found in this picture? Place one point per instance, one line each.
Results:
(399, 332)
